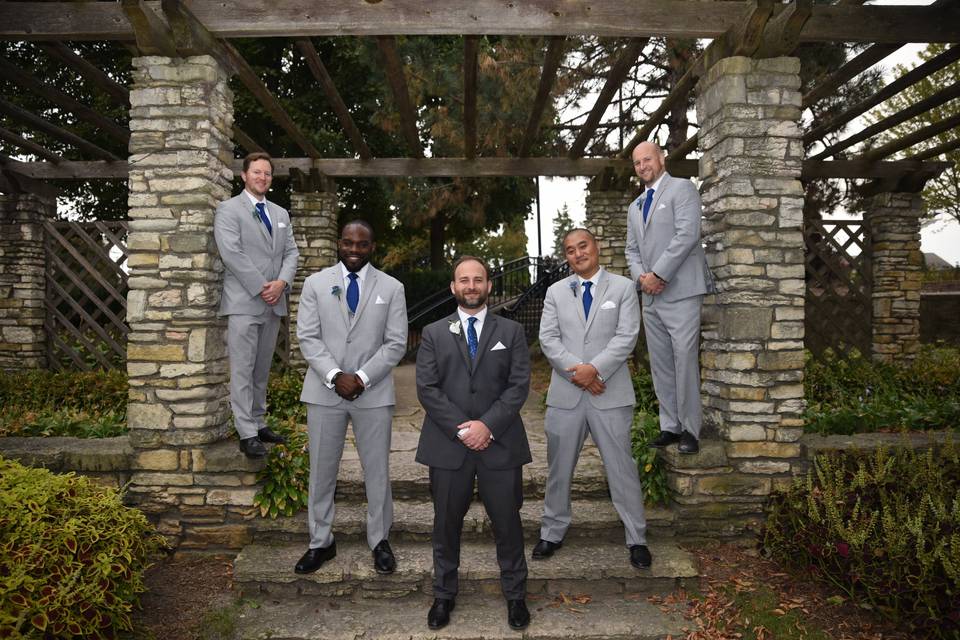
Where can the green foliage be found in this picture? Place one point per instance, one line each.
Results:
(286, 475)
(758, 618)
(884, 528)
(853, 394)
(646, 427)
(283, 395)
(562, 224)
(63, 403)
(71, 555)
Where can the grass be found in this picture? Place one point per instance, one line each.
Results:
(764, 617)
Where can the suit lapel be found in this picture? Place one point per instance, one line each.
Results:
(577, 289)
(263, 227)
(366, 292)
(461, 341)
(664, 185)
(336, 280)
(490, 327)
(601, 289)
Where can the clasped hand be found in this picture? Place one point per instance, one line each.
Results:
(272, 291)
(477, 436)
(651, 284)
(348, 386)
(586, 377)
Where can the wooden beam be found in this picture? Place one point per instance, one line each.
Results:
(551, 63)
(623, 18)
(13, 181)
(850, 69)
(339, 107)
(618, 73)
(680, 92)
(53, 130)
(153, 36)
(28, 145)
(259, 90)
(64, 101)
(91, 72)
(393, 69)
(940, 149)
(863, 169)
(240, 136)
(931, 102)
(911, 139)
(684, 149)
(470, 50)
(782, 33)
(908, 79)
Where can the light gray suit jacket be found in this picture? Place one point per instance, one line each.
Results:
(374, 339)
(669, 243)
(605, 339)
(251, 256)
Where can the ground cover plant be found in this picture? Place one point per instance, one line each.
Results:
(853, 394)
(83, 404)
(71, 555)
(883, 528)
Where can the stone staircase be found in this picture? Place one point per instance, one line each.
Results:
(587, 590)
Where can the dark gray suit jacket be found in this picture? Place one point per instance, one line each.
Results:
(492, 389)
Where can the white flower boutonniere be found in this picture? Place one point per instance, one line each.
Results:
(455, 327)
(573, 288)
(335, 290)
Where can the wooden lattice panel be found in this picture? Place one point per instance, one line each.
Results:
(838, 305)
(86, 297)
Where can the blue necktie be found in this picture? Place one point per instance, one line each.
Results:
(353, 292)
(472, 342)
(587, 298)
(646, 204)
(262, 212)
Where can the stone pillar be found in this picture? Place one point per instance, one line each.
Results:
(22, 279)
(180, 149)
(606, 216)
(752, 359)
(314, 218)
(896, 263)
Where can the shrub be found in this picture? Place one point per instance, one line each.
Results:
(285, 477)
(882, 527)
(646, 427)
(88, 404)
(283, 395)
(71, 555)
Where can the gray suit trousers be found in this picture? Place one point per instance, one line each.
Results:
(610, 429)
(673, 340)
(327, 427)
(251, 341)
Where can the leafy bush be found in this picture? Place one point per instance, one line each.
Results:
(71, 555)
(63, 403)
(884, 528)
(646, 427)
(856, 395)
(286, 475)
(283, 395)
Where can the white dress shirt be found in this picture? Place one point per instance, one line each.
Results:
(361, 276)
(255, 202)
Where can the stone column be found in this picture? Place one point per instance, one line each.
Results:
(180, 150)
(22, 279)
(314, 218)
(606, 216)
(896, 264)
(752, 358)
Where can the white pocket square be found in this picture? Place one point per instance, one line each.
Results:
(609, 304)
(379, 300)
(282, 225)
(498, 346)
(662, 206)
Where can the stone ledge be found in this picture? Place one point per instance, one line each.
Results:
(70, 454)
(712, 455)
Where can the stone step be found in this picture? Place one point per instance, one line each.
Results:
(476, 617)
(265, 572)
(413, 520)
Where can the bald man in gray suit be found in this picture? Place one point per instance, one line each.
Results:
(255, 241)
(667, 261)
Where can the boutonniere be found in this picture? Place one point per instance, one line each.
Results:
(455, 327)
(256, 214)
(573, 288)
(335, 290)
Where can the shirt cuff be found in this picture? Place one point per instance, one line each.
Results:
(329, 379)
(364, 378)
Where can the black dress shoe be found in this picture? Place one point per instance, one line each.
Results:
(313, 559)
(252, 448)
(383, 560)
(439, 614)
(518, 617)
(664, 439)
(545, 549)
(640, 556)
(268, 435)
(688, 444)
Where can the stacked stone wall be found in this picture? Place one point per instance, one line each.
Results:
(606, 217)
(22, 280)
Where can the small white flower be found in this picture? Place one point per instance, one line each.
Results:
(455, 327)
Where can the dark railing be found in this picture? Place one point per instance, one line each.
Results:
(528, 308)
(511, 284)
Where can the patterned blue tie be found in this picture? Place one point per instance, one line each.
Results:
(262, 212)
(353, 292)
(472, 342)
(587, 298)
(646, 204)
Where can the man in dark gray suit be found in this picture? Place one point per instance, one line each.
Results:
(588, 329)
(255, 241)
(473, 376)
(667, 261)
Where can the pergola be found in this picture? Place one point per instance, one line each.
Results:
(746, 84)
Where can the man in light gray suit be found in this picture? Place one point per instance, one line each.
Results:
(255, 241)
(352, 328)
(666, 259)
(588, 329)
